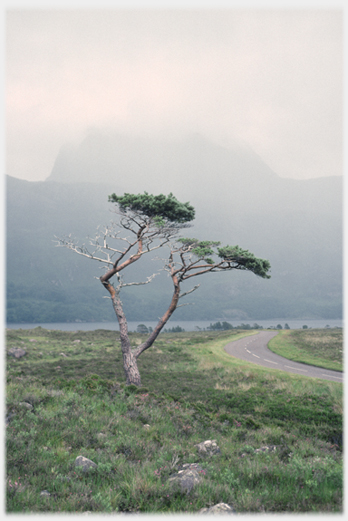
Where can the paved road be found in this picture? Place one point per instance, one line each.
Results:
(254, 349)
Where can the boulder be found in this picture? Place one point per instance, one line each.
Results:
(17, 352)
(189, 476)
(267, 448)
(85, 463)
(220, 508)
(26, 405)
(208, 447)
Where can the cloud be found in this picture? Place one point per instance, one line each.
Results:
(272, 78)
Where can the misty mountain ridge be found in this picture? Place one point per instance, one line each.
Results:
(160, 164)
(296, 225)
(191, 167)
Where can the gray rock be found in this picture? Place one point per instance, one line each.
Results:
(45, 493)
(17, 352)
(26, 405)
(267, 448)
(8, 417)
(85, 463)
(189, 476)
(220, 508)
(53, 393)
(208, 447)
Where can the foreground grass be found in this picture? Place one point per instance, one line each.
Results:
(320, 347)
(193, 391)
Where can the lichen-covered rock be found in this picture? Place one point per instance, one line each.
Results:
(17, 352)
(189, 476)
(208, 447)
(26, 405)
(266, 448)
(85, 463)
(220, 508)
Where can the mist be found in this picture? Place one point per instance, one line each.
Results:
(271, 78)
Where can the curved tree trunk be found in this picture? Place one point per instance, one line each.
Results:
(162, 321)
(130, 365)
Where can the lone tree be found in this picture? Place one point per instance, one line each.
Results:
(152, 223)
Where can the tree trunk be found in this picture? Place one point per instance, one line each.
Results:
(130, 365)
(162, 321)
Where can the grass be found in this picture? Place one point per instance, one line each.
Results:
(319, 347)
(193, 391)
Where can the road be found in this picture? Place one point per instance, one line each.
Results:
(254, 349)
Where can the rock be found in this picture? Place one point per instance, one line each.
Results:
(188, 477)
(45, 493)
(53, 393)
(267, 448)
(146, 426)
(208, 447)
(8, 417)
(17, 352)
(220, 508)
(76, 341)
(100, 436)
(85, 463)
(63, 354)
(27, 405)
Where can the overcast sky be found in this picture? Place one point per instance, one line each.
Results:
(269, 77)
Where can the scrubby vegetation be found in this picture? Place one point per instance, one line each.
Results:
(66, 397)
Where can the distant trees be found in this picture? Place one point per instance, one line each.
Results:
(141, 328)
(225, 326)
(175, 329)
(220, 326)
(150, 223)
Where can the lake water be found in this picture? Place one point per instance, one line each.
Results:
(194, 325)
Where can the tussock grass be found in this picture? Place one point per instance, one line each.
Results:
(193, 391)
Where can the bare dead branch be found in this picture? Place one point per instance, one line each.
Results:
(190, 291)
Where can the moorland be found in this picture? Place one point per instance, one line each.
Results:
(66, 397)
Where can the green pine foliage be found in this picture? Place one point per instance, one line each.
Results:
(163, 208)
(246, 260)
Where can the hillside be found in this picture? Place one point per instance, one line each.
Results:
(297, 225)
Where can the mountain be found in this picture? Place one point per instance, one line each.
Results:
(297, 225)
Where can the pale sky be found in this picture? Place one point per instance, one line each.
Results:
(270, 77)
